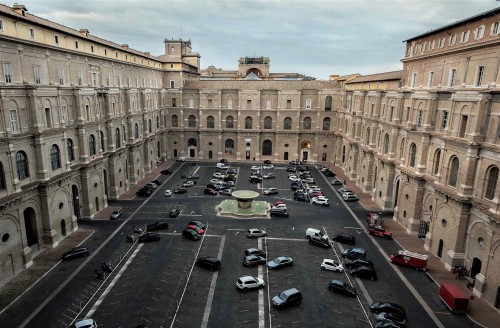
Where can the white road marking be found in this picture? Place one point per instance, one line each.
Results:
(261, 290)
(288, 239)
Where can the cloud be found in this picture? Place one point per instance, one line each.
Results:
(315, 37)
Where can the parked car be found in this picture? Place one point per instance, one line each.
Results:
(354, 263)
(291, 169)
(75, 252)
(188, 183)
(395, 317)
(271, 191)
(307, 180)
(219, 175)
(144, 192)
(158, 225)
(174, 213)
(209, 262)
(194, 227)
(210, 191)
(191, 234)
(329, 173)
(228, 184)
(168, 193)
(268, 167)
(313, 194)
(253, 260)
(84, 323)
(280, 262)
(148, 237)
(214, 186)
(320, 200)
(268, 176)
(301, 197)
(180, 159)
(166, 172)
(254, 251)
(331, 265)
(410, 259)
(180, 190)
(198, 224)
(157, 182)
(279, 202)
(296, 186)
(364, 272)
(278, 212)
(388, 307)
(116, 214)
(255, 179)
(216, 181)
(226, 192)
(287, 298)
(255, 233)
(249, 282)
(336, 182)
(344, 238)
(193, 177)
(152, 185)
(388, 324)
(354, 253)
(342, 287)
(280, 206)
(343, 190)
(320, 242)
(379, 231)
(294, 178)
(267, 161)
(295, 162)
(349, 197)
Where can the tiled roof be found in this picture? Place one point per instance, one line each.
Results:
(345, 77)
(262, 85)
(395, 75)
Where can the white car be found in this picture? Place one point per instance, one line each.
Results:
(152, 185)
(268, 167)
(328, 264)
(320, 200)
(255, 233)
(85, 323)
(249, 282)
(181, 159)
(218, 175)
(188, 183)
(294, 178)
(281, 206)
(308, 180)
(268, 176)
(255, 168)
(216, 181)
(315, 189)
(270, 191)
(168, 193)
(349, 197)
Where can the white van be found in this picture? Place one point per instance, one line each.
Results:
(222, 166)
(315, 234)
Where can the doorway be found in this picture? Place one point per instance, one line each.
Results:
(497, 299)
(247, 154)
(210, 154)
(440, 248)
(63, 227)
(476, 267)
(285, 156)
(192, 152)
(97, 204)
(175, 153)
(30, 226)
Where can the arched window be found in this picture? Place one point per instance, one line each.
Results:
(22, 165)
(326, 124)
(268, 122)
(437, 161)
(91, 145)
(175, 121)
(55, 161)
(307, 123)
(210, 122)
(229, 122)
(157, 122)
(210, 154)
(229, 147)
(248, 122)
(150, 126)
(71, 153)
(491, 184)
(117, 138)
(287, 123)
(413, 154)
(136, 131)
(192, 142)
(191, 121)
(2, 177)
(267, 148)
(386, 144)
(101, 135)
(402, 149)
(368, 136)
(454, 166)
(328, 103)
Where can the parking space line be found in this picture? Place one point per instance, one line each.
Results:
(260, 274)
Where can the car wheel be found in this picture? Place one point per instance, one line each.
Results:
(322, 267)
(244, 289)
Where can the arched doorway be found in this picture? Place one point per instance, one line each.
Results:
(210, 154)
(76, 202)
(323, 157)
(285, 156)
(63, 227)
(105, 177)
(497, 299)
(305, 148)
(97, 209)
(476, 267)
(192, 144)
(30, 226)
(440, 248)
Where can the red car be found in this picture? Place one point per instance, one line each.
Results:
(210, 191)
(199, 230)
(379, 231)
(277, 203)
(316, 194)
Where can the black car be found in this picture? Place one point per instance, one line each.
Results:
(158, 225)
(214, 187)
(354, 253)
(228, 178)
(191, 234)
(267, 161)
(341, 287)
(223, 160)
(279, 212)
(354, 263)
(296, 186)
(157, 182)
(344, 238)
(287, 298)
(388, 324)
(329, 173)
(364, 272)
(392, 316)
(208, 262)
(166, 172)
(255, 179)
(320, 242)
(388, 307)
(144, 192)
(253, 260)
(75, 253)
(149, 236)
(254, 251)
(192, 177)
(301, 197)
(180, 190)
(198, 224)
(174, 213)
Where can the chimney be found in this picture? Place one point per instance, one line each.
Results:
(125, 46)
(147, 54)
(84, 32)
(20, 9)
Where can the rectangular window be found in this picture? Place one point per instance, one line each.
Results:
(32, 33)
(444, 124)
(13, 120)
(441, 42)
(422, 50)
(64, 114)
(91, 48)
(108, 80)
(249, 104)
(126, 57)
(465, 37)
(407, 114)
(191, 103)
(480, 32)
(429, 80)
(289, 104)
(453, 77)
(480, 74)
(48, 119)
(76, 45)
(79, 77)
(119, 81)
(1, 25)
(431, 45)
(60, 74)
(269, 104)
(87, 111)
(209, 103)
(420, 117)
(171, 65)
(229, 103)
(174, 102)
(308, 103)
(56, 39)
(128, 81)
(453, 39)
(36, 73)
(172, 84)
(7, 74)
(94, 79)
(413, 80)
(494, 28)
(105, 52)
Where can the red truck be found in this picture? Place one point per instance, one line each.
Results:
(454, 298)
(410, 259)
(379, 231)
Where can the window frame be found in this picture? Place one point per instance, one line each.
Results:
(453, 77)
(491, 183)
(210, 122)
(268, 123)
(444, 121)
(70, 149)
(307, 123)
(7, 72)
(14, 121)
(287, 123)
(479, 76)
(55, 158)
(22, 165)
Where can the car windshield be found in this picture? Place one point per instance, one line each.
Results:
(277, 261)
(282, 296)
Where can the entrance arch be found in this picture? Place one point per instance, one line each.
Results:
(63, 227)
(192, 145)
(440, 248)
(476, 267)
(175, 153)
(305, 148)
(97, 209)
(30, 226)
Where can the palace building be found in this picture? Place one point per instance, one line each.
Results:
(82, 119)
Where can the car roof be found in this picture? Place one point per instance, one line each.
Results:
(246, 278)
(83, 323)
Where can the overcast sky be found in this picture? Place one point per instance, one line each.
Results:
(311, 37)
